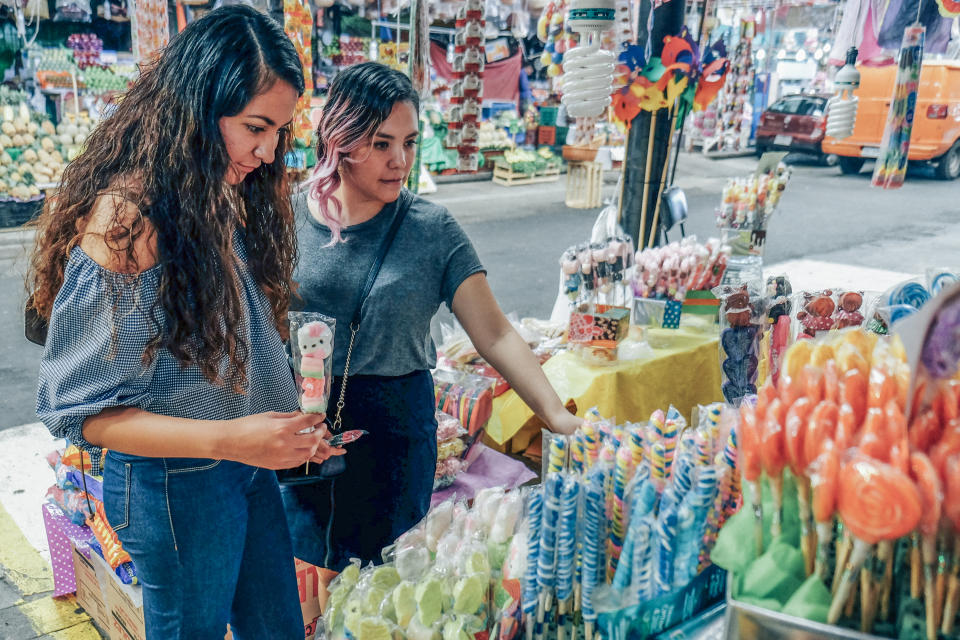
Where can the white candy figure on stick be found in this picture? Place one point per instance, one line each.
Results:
(315, 340)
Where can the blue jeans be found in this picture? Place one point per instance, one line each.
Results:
(210, 544)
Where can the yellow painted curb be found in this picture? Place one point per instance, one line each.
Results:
(49, 615)
(21, 563)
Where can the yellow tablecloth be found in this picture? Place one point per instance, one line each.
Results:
(684, 371)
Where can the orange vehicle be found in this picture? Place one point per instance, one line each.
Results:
(936, 123)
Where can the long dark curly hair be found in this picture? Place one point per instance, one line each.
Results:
(163, 150)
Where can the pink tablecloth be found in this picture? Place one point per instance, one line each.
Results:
(490, 469)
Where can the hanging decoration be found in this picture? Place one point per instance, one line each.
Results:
(469, 57)
(891, 168)
(552, 31)
(149, 28)
(842, 108)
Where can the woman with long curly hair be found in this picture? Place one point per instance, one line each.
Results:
(163, 267)
(366, 147)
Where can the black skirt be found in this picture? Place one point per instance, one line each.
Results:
(388, 483)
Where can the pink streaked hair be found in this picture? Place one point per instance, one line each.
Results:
(343, 129)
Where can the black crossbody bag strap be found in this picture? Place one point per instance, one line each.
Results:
(403, 205)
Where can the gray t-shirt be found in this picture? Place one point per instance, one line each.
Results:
(429, 258)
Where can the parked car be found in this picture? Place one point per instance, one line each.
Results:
(795, 123)
(935, 137)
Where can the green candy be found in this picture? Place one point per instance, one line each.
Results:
(372, 600)
(429, 596)
(385, 578)
(776, 575)
(405, 602)
(468, 593)
(453, 630)
(374, 629)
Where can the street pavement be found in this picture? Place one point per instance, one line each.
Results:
(830, 231)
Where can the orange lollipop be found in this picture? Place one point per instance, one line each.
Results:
(874, 440)
(823, 482)
(748, 460)
(925, 430)
(881, 388)
(950, 476)
(853, 391)
(931, 497)
(773, 457)
(813, 383)
(821, 427)
(945, 403)
(831, 381)
(877, 502)
(792, 388)
(766, 395)
(796, 430)
(846, 427)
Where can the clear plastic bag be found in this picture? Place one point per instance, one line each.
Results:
(311, 340)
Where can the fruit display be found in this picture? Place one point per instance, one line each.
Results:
(86, 49)
(33, 152)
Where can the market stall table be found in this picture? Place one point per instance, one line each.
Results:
(684, 371)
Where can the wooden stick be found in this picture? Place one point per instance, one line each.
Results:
(808, 543)
(848, 579)
(776, 522)
(646, 182)
(844, 547)
(929, 552)
(824, 538)
(887, 548)
(916, 566)
(866, 598)
(941, 583)
(562, 622)
(757, 516)
(672, 114)
(953, 592)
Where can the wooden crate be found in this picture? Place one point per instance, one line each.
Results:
(502, 174)
(584, 185)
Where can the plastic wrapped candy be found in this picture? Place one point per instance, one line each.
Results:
(312, 340)
(739, 342)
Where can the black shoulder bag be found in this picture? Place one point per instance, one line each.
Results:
(335, 465)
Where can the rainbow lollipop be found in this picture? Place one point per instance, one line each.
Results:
(557, 458)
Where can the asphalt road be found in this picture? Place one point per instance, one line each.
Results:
(520, 233)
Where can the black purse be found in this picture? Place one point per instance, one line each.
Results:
(34, 325)
(335, 465)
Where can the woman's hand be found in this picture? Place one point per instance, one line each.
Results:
(564, 423)
(277, 440)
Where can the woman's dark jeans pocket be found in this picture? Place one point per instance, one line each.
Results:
(117, 483)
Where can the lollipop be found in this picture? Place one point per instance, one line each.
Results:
(931, 497)
(772, 448)
(534, 518)
(593, 514)
(566, 548)
(797, 425)
(853, 393)
(558, 454)
(547, 558)
(951, 509)
(877, 502)
(823, 483)
(909, 293)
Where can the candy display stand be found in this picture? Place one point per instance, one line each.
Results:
(746, 620)
(584, 185)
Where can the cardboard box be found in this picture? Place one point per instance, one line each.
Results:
(308, 583)
(90, 589)
(604, 328)
(121, 605)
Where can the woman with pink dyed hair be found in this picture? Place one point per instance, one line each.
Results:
(367, 145)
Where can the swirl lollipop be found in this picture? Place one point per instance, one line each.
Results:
(931, 497)
(853, 393)
(913, 294)
(547, 559)
(797, 422)
(534, 518)
(823, 483)
(773, 459)
(951, 509)
(592, 541)
(877, 502)
(748, 461)
(566, 548)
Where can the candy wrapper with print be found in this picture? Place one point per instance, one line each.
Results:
(311, 342)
